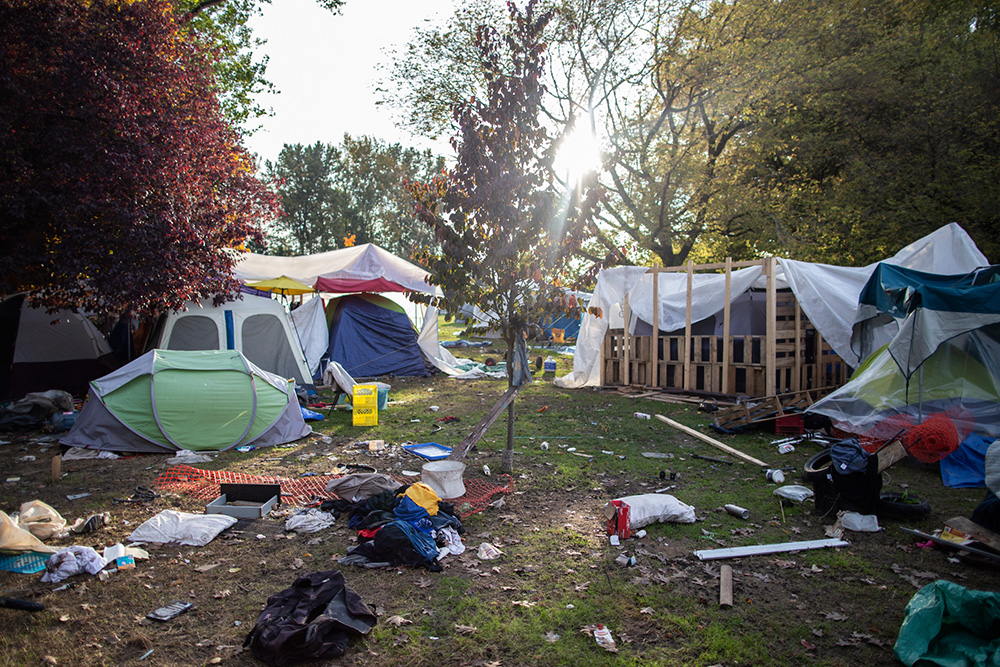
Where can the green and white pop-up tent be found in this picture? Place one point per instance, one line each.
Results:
(199, 400)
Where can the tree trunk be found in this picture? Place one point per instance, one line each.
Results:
(507, 459)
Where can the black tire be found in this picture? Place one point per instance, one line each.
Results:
(818, 467)
(893, 506)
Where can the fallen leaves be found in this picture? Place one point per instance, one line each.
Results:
(397, 621)
(219, 595)
(527, 604)
(465, 629)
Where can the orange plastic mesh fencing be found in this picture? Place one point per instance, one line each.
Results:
(932, 440)
(204, 485)
(884, 431)
(929, 441)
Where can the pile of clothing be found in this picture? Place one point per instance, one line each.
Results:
(406, 525)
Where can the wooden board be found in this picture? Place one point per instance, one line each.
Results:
(975, 531)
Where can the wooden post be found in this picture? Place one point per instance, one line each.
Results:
(797, 380)
(627, 346)
(688, 378)
(726, 586)
(56, 468)
(726, 343)
(771, 354)
(654, 351)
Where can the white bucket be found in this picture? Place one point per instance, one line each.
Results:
(445, 477)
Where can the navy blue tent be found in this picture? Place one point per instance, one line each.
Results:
(371, 336)
(571, 325)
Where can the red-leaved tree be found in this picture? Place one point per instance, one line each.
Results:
(504, 231)
(123, 188)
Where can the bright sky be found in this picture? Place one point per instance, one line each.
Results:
(325, 67)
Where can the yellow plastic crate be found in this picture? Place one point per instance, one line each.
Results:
(365, 396)
(366, 416)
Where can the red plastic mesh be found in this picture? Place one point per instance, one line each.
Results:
(204, 485)
(933, 439)
(884, 431)
(929, 441)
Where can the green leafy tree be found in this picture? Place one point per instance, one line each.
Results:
(892, 131)
(373, 176)
(504, 233)
(314, 212)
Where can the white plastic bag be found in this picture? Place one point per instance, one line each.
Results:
(860, 523)
(794, 492)
(656, 508)
(193, 530)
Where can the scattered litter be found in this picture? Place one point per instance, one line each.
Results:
(632, 512)
(738, 511)
(410, 473)
(75, 496)
(774, 475)
(188, 457)
(486, 470)
(759, 549)
(310, 520)
(551, 637)
(641, 534)
(488, 552)
(25, 459)
(786, 448)
(862, 523)
(172, 610)
(544, 446)
(602, 636)
(615, 540)
(794, 492)
(435, 408)
(72, 561)
(183, 528)
(82, 453)
(246, 448)
(431, 451)
(657, 455)
(147, 654)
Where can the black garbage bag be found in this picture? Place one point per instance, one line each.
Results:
(312, 620)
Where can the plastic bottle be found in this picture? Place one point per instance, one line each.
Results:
(603, 637)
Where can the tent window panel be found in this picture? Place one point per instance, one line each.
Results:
(194, 332)
(265, 344)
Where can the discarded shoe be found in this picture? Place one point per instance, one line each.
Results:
(93, 522)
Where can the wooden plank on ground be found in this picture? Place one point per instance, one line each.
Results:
(477, 433)
(712, 441)
(975, 531)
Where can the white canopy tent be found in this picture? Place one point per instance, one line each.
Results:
(364, 268)
(827, 294)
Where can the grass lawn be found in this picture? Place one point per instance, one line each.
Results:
(557, 577)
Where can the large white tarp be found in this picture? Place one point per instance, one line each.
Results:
(442, 359)
(828, 295)
(363, 263)
(309, 321)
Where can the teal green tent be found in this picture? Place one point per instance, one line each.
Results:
(199, 400)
